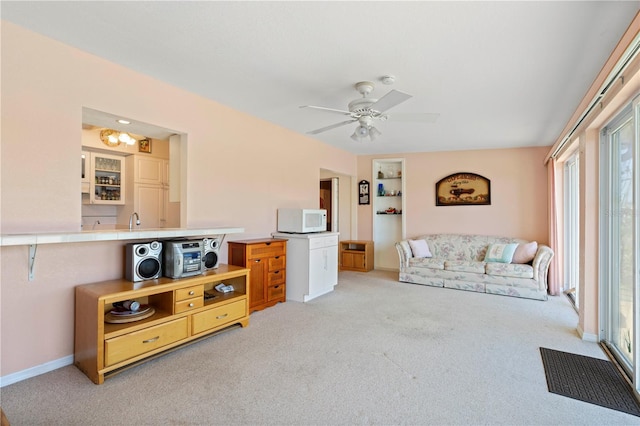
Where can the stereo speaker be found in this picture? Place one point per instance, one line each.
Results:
(143, 261)
(211, 253)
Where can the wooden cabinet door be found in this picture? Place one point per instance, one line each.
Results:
(258, 288)
(347, 260)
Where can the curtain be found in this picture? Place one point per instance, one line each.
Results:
(555, 285)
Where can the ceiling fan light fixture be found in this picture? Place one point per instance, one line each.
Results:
(366, 110)
(374, 133)
(362, 131)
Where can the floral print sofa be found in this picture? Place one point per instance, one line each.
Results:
(460, 261)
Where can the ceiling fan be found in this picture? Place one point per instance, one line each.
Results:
(366, 110)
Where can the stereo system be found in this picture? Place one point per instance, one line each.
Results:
(143, 261)
(210, 250)
(173, 259)
(182, 258)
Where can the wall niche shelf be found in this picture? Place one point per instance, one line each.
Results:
(389, 188)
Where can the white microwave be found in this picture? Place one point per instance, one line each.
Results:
(302, 221)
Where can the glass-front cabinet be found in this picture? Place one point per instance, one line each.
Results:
(106, 178)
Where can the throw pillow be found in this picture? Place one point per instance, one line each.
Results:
(502, 253)
(420, 248)
(525, 252)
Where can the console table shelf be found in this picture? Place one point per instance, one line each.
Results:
(182, 315)
(356, 255)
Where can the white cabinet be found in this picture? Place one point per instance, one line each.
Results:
(312, 264)
(148, 170)
(106, 178)
(149, 193)
(149, 204)
(388, 195)
(86, 171)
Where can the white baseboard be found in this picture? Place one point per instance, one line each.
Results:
(589, 337)
(35, 371)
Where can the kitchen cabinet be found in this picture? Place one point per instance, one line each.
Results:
(148, 170)
(149, 203)
(107, 178)
(149, 193)
(312, 264)
(86, 171)
(388, 210)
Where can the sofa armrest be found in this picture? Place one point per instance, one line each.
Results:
(404, 252)
(541, 265)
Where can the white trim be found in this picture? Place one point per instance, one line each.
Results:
(588, 337)
(35, 371)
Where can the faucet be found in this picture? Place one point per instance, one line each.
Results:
(131, 220)
(97, 222)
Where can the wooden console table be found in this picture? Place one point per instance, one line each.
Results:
(181, 315)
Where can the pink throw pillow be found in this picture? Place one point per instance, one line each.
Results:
(525, 252)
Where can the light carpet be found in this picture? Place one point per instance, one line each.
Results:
(374, 351)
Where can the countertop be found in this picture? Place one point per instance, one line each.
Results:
(110, 235)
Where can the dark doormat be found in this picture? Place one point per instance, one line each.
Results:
(587, 379)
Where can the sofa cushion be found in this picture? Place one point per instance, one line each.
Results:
(464, 266)
(514, 270)
(525, 252)
(427, 262)
(420, 248)
(502, 253)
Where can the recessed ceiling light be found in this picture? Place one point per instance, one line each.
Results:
(122, 121)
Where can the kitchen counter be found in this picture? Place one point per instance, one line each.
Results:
(110, 235)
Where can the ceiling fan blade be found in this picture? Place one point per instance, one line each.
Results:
(418, 117)
(390, 100)
(333, 126)
(339, 111)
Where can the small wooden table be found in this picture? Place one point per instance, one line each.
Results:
(356, 255)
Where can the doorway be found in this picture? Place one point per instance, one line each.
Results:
(329, 197)
(621, 242)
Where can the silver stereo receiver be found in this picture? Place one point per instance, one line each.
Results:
(182, 258)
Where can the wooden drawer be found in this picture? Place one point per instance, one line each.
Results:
(189, 293)
(203, 321)
(276, 277)
(189, 304)
(270, 249)
(278, 262)
(276, 292)
(139, 342)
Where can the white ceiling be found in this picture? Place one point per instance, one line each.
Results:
(500, 74)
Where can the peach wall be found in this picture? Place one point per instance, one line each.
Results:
(240, 170)
(518, 193)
